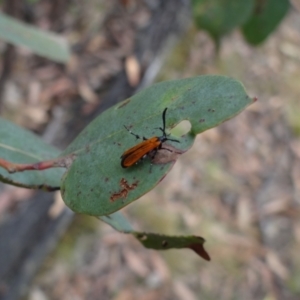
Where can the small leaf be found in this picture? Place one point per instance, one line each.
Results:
(157, 241)
(219, 17)
(41, 42)
(21, 146)
(164, 242)
(96, 184)
(266, 18)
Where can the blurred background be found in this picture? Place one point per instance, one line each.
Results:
(238, 187)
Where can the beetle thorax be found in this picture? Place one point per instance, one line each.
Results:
(162, 138)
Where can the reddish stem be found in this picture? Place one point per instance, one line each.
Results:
(61, 162)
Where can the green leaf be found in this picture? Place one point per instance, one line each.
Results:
(267, 16)
(165, 242)
(157, 241)
(96, 184)
(41, 42)
(21, 146)
(219, 17)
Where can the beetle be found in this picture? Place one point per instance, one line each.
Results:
(147, 148)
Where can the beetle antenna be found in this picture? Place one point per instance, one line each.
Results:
(164, 121)
(136, 135)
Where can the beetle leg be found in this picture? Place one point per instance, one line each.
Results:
(166, 149)
(160, 129)
(154, 153)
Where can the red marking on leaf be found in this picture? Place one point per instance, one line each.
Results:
(124, 184)
(63, 162)
(118, 195)
(125, 188)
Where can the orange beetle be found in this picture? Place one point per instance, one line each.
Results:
(147, 148)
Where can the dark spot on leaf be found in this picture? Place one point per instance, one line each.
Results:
(193, 102)
(87, 148)
(182, 107)
(201, 120)
(119, 144)
(124, 103)
(164, 243)
(106, 179)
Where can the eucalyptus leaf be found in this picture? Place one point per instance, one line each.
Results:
(21, 146)
(41, 42)
(157, 241)
(165, 242)
(219, 17)
(266, 17)
(96, 184)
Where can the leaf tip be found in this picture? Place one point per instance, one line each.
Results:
(199, 249)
